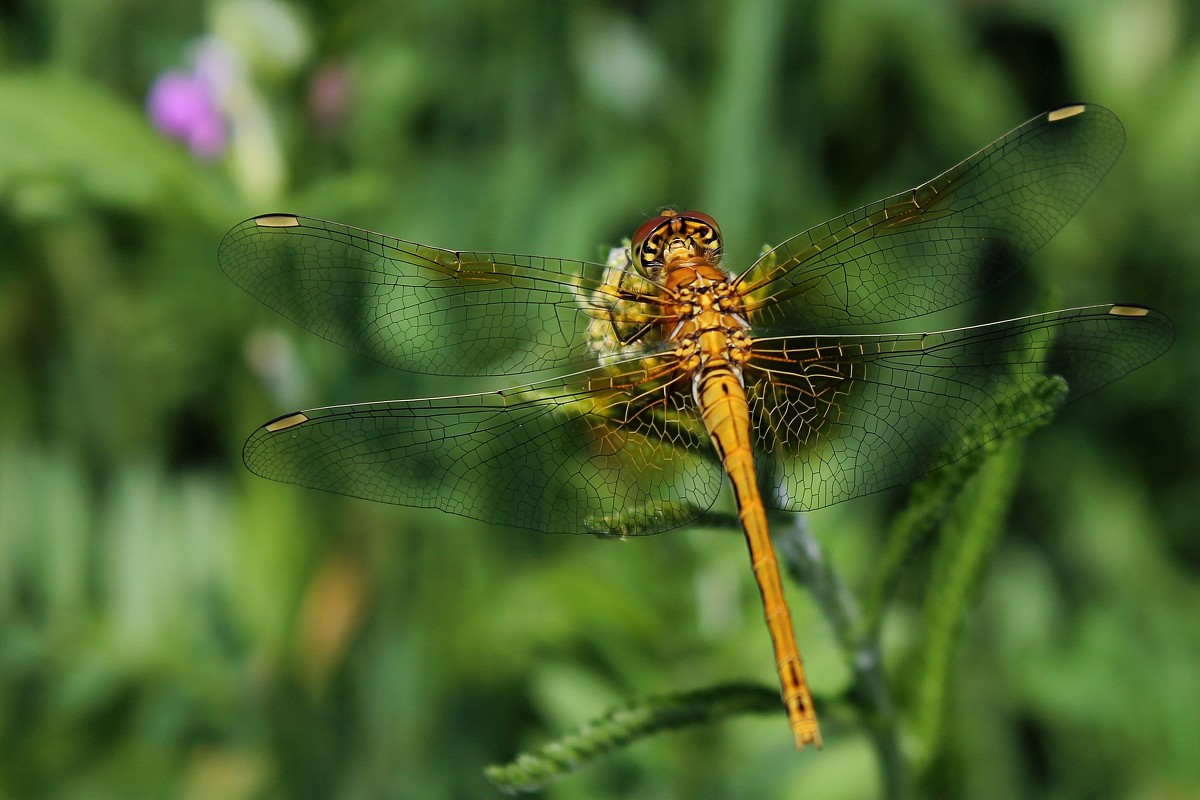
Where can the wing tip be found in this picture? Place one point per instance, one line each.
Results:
(276, 221)
(285, 422)
(1129, 310)
(1066, 112)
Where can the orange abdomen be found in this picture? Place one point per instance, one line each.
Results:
(726, 416)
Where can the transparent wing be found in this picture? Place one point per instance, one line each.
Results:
(415, 307)
(842, 416)
(601, 452)
(944, 242)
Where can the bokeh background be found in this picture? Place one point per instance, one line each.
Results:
(172, 626)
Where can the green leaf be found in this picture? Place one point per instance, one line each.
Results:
(63, 138)
(935, 496)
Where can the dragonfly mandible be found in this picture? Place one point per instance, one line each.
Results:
(657, 377)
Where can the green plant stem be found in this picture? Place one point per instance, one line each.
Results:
(621, 726)
(805, 561)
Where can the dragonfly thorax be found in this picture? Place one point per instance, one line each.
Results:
(709, 330)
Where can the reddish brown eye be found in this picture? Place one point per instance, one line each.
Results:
(648, 227)
(700, 216)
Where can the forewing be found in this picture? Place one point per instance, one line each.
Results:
(414, 307)
(842, 416)
(597, 453)
(945, 241)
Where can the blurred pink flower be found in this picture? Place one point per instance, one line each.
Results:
(184, 106)
(329, 96)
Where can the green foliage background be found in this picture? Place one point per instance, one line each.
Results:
(171, 626)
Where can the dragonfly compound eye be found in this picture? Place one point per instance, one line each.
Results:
(691, 234)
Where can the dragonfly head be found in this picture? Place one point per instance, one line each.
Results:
(671, 235)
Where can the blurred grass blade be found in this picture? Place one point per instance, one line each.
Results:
(968, 537)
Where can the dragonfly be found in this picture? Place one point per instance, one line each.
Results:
(654, 379)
